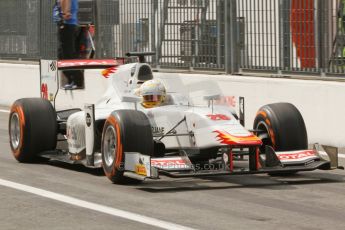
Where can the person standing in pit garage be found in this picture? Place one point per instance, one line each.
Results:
(68, 30)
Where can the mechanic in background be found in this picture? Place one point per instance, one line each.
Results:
(153, 93)
(68, 31)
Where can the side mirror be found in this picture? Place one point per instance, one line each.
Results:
(131, 99)
(212, 97)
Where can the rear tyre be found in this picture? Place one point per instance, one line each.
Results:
(32, 128)
(124, 131)
(281, 126)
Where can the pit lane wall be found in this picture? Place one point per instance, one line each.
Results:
(320, 102)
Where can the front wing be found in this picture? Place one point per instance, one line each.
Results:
(141, 167)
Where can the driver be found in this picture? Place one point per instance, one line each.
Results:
(153, 93)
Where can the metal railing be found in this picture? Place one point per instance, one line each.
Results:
(292, 35)
(299, 36)
(19, 28)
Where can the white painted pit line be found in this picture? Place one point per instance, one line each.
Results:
(93, 206)
(4, 111)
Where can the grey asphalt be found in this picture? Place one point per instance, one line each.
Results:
(310, 200)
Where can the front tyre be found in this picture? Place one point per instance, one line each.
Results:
(32, 128)
(124, 131)
(282, 127)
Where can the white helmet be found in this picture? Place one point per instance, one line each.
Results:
(153, 93)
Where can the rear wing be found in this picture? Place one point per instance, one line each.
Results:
(50, 77)
(89, 63)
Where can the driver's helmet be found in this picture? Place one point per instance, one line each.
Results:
(153, 93)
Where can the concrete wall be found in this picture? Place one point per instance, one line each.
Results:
(23, 80)
(17, 81)
(320, 102)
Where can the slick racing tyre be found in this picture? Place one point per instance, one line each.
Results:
(281, 126)
(124, 131)
(32, 128)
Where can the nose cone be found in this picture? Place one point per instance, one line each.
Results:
(225, 138)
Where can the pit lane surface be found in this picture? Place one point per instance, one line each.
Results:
(310, 200)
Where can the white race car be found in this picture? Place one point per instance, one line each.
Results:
(189, 134)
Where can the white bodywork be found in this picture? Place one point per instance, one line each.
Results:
(190, 123)
(205, 125)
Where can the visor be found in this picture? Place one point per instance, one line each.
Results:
(152, 98)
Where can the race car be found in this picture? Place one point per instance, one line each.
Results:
(185, 133)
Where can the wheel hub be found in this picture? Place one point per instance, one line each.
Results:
(15, 130)
(264, 135)
(109, 145)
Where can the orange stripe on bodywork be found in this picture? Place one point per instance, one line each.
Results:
(106, 73)
(226, 138)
